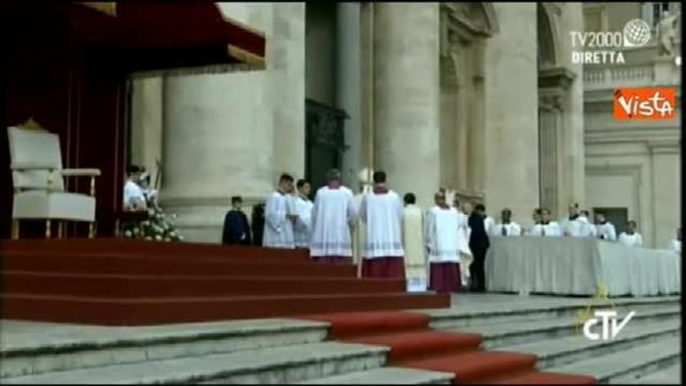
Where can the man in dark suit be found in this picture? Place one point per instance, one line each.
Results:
(236, 228)
(478, 243)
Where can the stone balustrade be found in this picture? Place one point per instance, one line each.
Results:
(619, 76)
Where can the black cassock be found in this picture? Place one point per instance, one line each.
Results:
(236, 228)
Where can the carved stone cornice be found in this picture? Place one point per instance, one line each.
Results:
(558, 77)
(467, 22)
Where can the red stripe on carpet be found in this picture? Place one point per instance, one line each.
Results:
(413, 345)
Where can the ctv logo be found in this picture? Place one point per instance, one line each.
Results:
(645, 104)
(610, 328)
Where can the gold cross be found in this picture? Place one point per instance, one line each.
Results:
(601, 294)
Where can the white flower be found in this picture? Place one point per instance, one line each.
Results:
(167, 239)
(136, 231)
(158, 238)
(148, 238)
(127, 234)
(180, 238)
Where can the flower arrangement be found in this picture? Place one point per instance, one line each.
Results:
(156, 228)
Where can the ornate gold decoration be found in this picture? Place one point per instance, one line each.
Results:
(245, 56)
(106, 7)
(31, 124)
(584, 315)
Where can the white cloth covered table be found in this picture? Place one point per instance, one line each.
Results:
(574, 266)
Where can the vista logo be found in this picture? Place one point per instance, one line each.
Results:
(648, 104)
(609, 323)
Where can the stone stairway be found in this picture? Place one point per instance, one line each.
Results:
(645, 349)
(296, 351)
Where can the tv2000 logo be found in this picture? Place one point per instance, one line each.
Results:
(645, 104)
(606, 47)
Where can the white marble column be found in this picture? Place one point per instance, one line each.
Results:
(146, 122)
(218, 141)
(407, 97)
(348, 86)
(286, 64)
(511, 122)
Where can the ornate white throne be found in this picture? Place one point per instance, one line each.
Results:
(38, 179)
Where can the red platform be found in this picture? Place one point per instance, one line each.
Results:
(124, 282)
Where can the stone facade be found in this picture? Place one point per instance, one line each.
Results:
(452, 95)
(633, 166)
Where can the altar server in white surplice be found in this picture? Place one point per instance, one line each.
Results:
(279, 215)
(382, 212)
(545, 227)
(675, 245)
(506, 227)
(442, 242)
(604, 229)
(413, 243)
(333, 217)
(630, 237)
(303, 208)
(586, 229)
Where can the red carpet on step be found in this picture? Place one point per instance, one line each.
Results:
(414, 345)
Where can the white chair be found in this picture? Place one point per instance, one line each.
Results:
(38, 179)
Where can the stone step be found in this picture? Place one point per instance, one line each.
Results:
(561, 351)
(36, 348)
(386, 376)
(627, 364)
(535, 309)
(668, 376)
(507, 334)
(274, 365)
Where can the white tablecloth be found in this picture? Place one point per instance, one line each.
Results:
(573, 266)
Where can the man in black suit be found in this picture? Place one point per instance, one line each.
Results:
(236, 228)
(478, 243)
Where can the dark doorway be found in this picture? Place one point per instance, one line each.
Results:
(324, 141)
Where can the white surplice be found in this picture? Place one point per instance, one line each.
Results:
(676, 246)
(413, 244)
(442, 235)
(489, 224)
(278, 229)
(303, 226)
(510, 229)
(580, 227)
(333, 216)
(552, 229)
(606, 231)
(383, 215)
(635, 240)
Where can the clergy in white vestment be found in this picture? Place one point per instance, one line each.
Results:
(569, 225)
(506, 227)
(413, 244)
(675, 245)
(359, 232)
(489, 224)
(545, 227)
(333, 216)
(585, 228)
(604, 229)
(442, 243)
(382, 212)
(279, 216)
(463, 234)
(303, 208)
(630, 237)
(134, 197)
